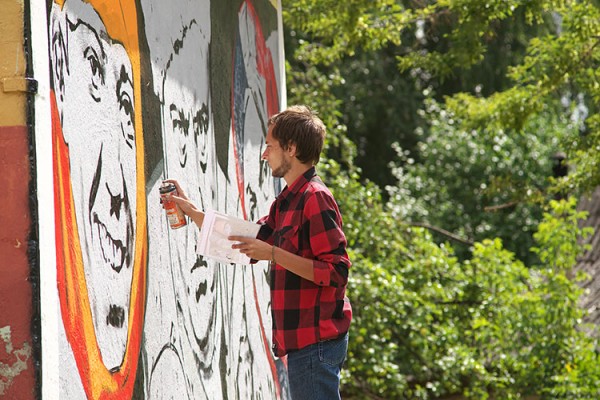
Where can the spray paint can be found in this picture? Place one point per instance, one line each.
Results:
(175, 216)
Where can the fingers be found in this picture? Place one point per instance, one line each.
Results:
(234, 238)
(171, 197)
(184, 204)
(245, 248)
(180, 191)
(238, 241)
(180, 198)
(252, 247)
(177, 199)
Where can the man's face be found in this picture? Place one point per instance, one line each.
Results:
(279, 159)
(96, 108)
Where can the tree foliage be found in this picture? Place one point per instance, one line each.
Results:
(427, 325)
(431, 321)
(480, 183)
(553, 45)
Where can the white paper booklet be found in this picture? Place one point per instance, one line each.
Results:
(213, 242)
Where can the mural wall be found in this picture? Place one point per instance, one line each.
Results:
(141, 91)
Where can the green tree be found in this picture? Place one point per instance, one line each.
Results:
(360, 41)
(429, 324)
(480, 183)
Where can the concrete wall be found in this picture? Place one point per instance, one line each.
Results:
(132, 92)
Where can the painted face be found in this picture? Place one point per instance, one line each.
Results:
(186, 124)
(187, 129)
(253, 100)
(258, 186)
(96, 107)
(279, 160)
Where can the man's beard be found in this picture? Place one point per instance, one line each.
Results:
(283, 169)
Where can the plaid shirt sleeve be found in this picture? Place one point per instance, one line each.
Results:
(267, 226)
(327, 240)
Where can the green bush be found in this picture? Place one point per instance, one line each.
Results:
(428, 326)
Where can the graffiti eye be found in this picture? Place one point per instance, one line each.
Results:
(203, 118)
(94, 65)
(181, 123)
(126, 108)
(125, 104)
(177, 124)
(124, 97)
(96, 72)
(200, 123)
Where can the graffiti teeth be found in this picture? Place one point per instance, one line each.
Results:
(113, 250)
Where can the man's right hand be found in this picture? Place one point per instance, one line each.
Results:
(185, 204)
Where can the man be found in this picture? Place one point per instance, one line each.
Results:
(302, 237)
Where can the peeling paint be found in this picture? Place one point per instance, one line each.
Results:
(17, 360)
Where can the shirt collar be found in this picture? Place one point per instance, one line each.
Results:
(298, 184)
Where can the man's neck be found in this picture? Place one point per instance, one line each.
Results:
(295, 172)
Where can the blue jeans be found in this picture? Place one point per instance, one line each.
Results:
(314, 371)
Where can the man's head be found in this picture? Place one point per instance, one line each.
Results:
(299, 126)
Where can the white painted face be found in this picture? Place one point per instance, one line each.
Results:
(186, 117)
(258, 185)
(96, 106)
(187, 132)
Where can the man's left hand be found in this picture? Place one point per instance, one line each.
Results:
(252, 247)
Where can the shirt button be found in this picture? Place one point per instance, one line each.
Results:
(321, 282)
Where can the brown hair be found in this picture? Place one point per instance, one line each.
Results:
(299, 125)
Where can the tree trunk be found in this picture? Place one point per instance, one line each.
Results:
(590, 261)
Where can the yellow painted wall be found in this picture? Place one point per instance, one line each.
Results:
(12, 63)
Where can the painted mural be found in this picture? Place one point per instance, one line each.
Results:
(144, 90)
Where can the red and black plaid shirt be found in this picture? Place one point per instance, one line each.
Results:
(305, 220)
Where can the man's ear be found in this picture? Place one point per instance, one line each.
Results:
(292, 149)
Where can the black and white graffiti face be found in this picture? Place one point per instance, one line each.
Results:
(93, 80)
(187, 129)
(186, 126)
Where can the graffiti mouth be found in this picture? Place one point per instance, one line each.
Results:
(113, 250)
